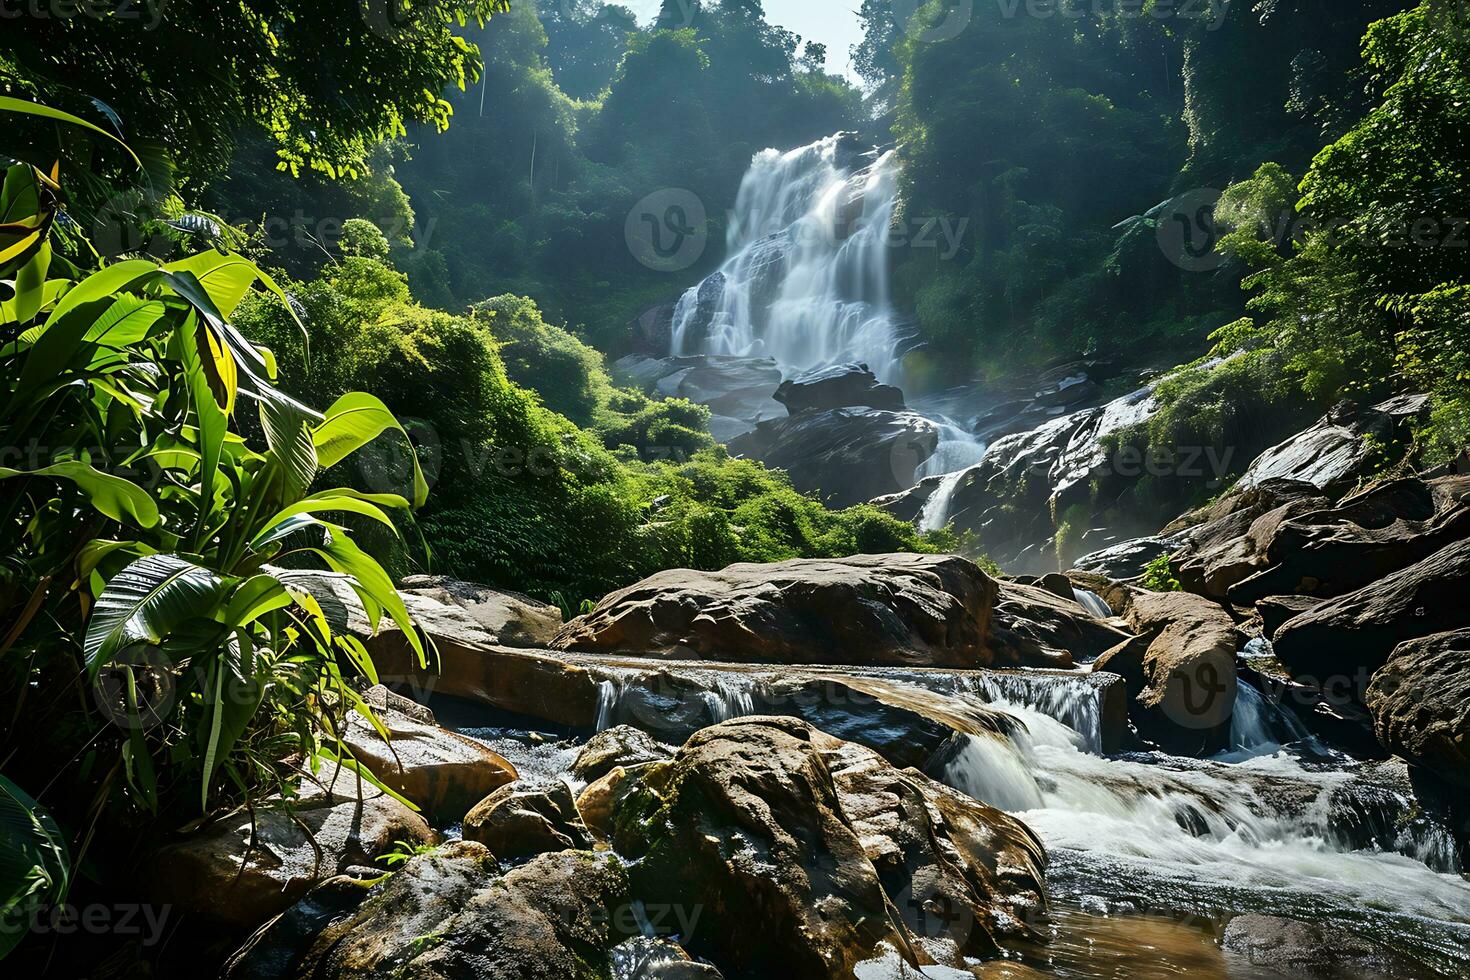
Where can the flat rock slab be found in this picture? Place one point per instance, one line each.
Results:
(442, 772)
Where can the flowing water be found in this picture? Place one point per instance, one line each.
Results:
(1280, 832)
(807, 278)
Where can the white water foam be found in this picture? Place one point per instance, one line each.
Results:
(1268, 833)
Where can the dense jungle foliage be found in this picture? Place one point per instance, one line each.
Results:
(238, 280)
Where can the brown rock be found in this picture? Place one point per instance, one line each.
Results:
(1232, 547)
(826, 852)
(1275, 610)
(1420, 703)
(518, 821)
(622, 746)
(238, 874)
(1352, 636)
(442, 772)
(1033, 626)
(901, 610)
(1387, 527)
(1180, 671)
(448, 916)
(514, 620)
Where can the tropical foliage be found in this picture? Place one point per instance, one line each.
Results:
(163, 513)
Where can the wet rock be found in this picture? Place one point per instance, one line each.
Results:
(1351, 637)
(1027, 482)
(448, 916)
(826, 852)
(1420, 702)
(1328, 551)
(514, 620)
(658, 959)
(652, 331)
(441, 772)
(838, 386)
(275, 949)
(923, 610)
(846, 455)
(906, 725)
(1340, 449)
(243, 869)
(517, 821)
(1290, 948)
(621, 746)
(1180, 670)
(1127, 560)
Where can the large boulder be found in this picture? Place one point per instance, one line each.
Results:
(825, 852)
(1340, 450)
(838, 386)
(1327, 551)
(449, 915)
(253, 864)
(514, 620)
(1343, 641)
(1180, 670)
(518, 821)
(846, 455)
(442, 772)
(1420, 703)
(902, 610)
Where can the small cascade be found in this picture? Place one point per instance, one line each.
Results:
(730, 697)
(807, 278)
(1073, 704)
(935, 514)
(1093, 603)
(1261, 727)
(1274, 834)
(608, 694)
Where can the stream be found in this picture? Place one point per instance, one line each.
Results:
(1159, 848)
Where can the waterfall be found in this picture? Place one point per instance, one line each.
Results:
(608, 694)
(1093, 603)
(807, 278)
(935, 514)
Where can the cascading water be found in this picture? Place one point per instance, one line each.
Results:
(1276, 834)
(807, 280)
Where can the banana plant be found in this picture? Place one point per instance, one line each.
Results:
(154, 529)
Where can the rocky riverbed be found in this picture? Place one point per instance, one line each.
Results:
(888, 766)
